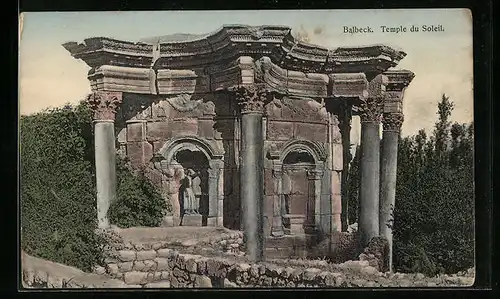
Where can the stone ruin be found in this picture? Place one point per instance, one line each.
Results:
(248, 129)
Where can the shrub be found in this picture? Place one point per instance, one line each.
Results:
(138, 202)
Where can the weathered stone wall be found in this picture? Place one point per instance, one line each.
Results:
(169, 268)
(40, 273)
(220, 262)
(145, 123)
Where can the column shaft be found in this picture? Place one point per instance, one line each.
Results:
(252, 183)
(388, 186)
(105, 169)
(369, 189)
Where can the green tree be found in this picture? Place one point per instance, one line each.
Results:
(434, 213)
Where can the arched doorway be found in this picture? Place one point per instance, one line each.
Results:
(297, 202)
(298, 169)
(199, 164)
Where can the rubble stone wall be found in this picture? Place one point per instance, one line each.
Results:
(221, 264)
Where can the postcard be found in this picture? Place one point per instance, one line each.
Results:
(247, 149)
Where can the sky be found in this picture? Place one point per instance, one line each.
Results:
(442, 61)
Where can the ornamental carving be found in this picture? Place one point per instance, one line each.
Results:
(392, 121)
(251, 98)
(184, 103)
(314, 174)
(104, 104)
(371, 109)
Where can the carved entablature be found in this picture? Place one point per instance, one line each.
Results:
(121, 78)
(233, 41)
(181, 81)
(104, 104)
(288, 82)
(375, 58)
(398, 80)
(393, 102)
(349, 85)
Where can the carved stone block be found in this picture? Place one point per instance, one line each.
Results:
(312, 132)
(268, 182)
(205, 128)
(135, 131)
(277, 130)
(158, 130)
(184, 127)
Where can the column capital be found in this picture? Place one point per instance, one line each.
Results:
(104, 104)
(371, 109)
(392, 121)
(251, 98)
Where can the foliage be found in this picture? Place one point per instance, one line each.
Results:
(57, 180)
(57, 188)
(139, 203)
(434, 213)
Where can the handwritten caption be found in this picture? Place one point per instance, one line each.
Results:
(392, 29)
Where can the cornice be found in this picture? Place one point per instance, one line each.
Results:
(232, 41)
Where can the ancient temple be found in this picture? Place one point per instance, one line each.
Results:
(248, 128)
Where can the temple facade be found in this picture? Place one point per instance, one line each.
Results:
(248, 128)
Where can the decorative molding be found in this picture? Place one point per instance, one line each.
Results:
(104, 104)
(392, 121)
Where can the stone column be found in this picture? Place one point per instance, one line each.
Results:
(104, 105)
(392, 125)
(251, 99)
(371, 112)
(277, 227)
(345, 131)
